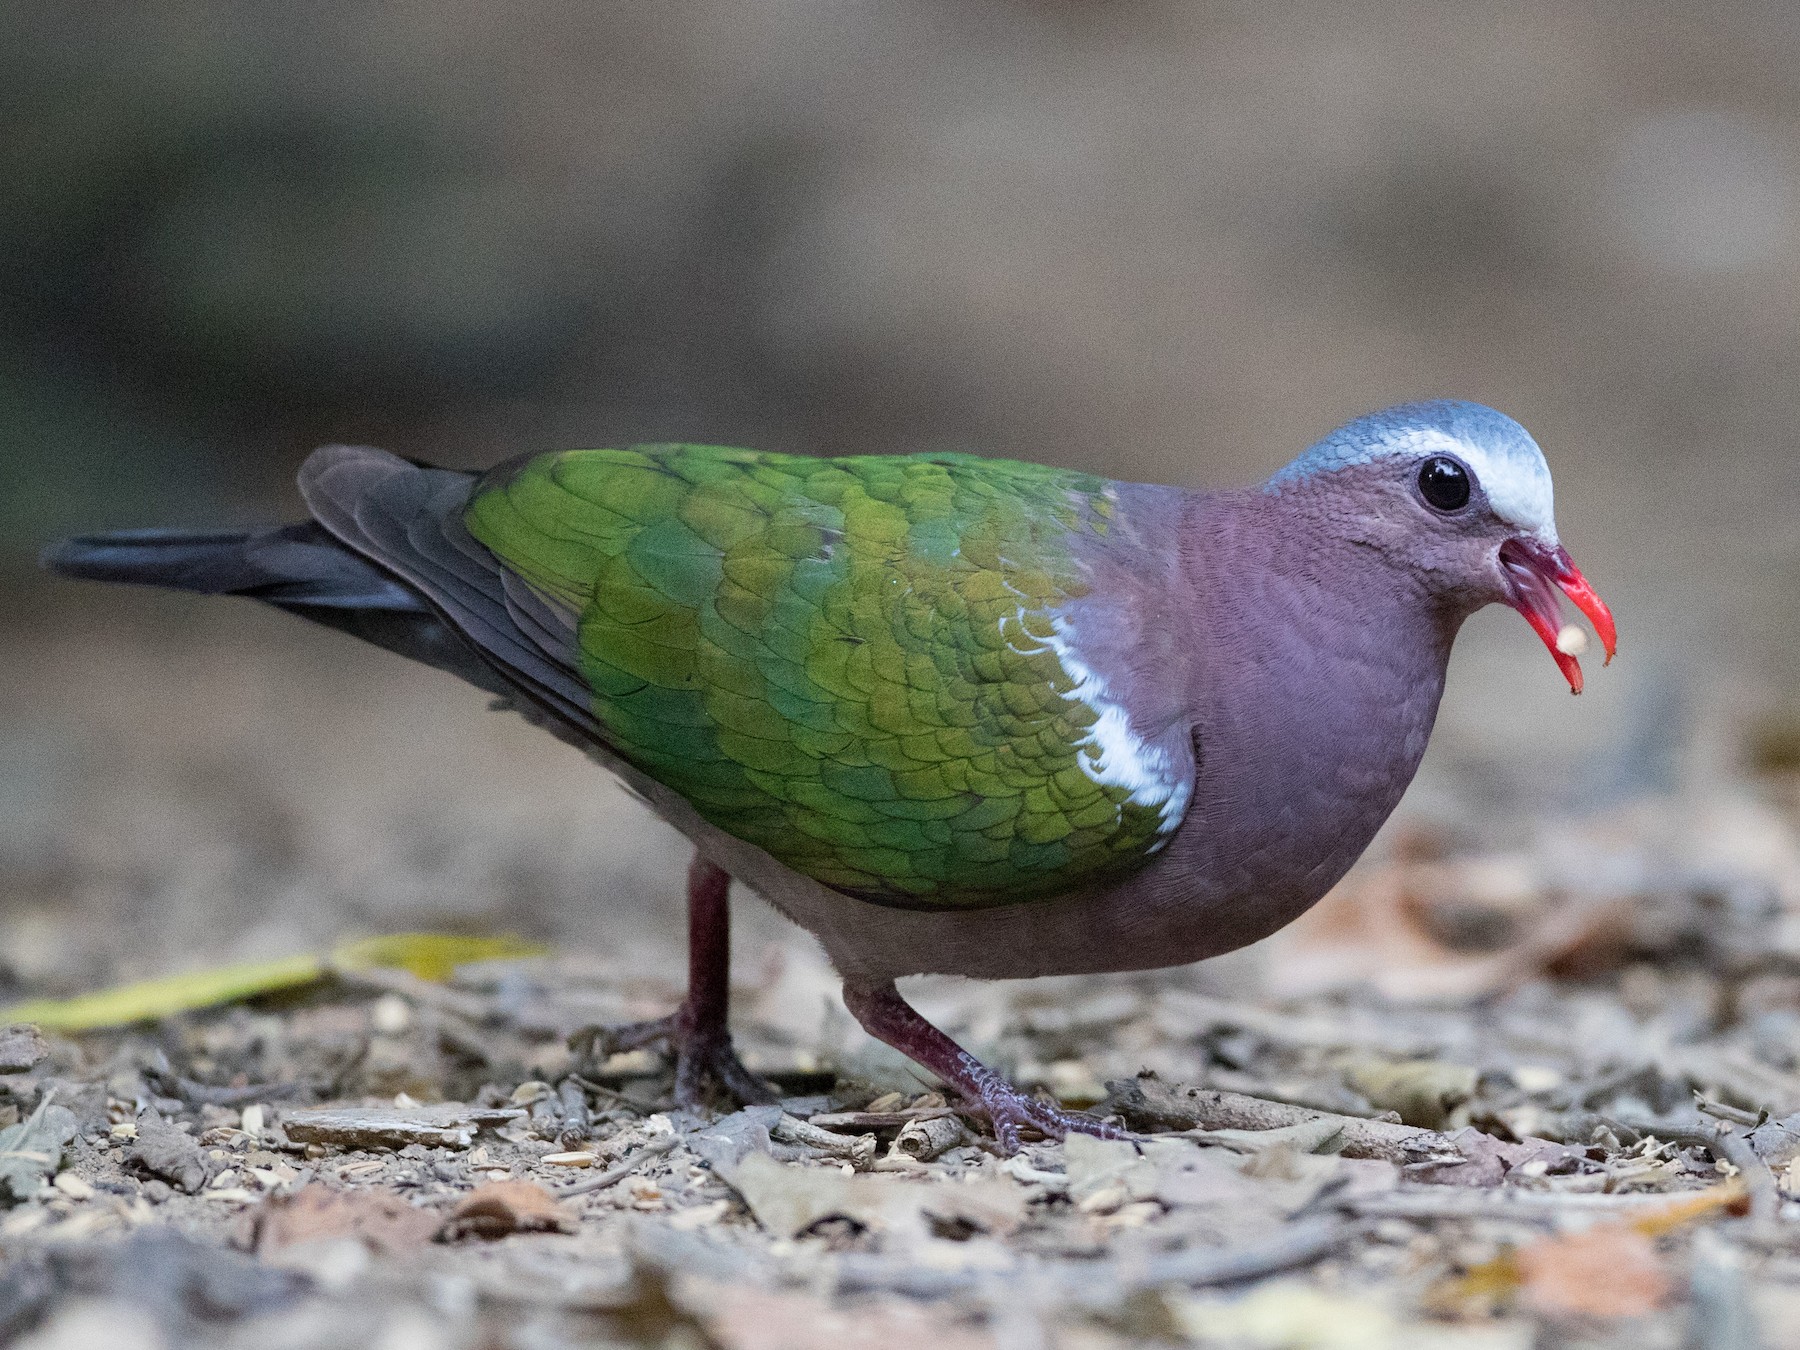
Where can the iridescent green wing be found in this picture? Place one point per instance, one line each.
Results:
(854, 664)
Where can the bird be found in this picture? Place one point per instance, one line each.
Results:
(949, 714)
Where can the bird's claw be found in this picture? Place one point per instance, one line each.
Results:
(702, 1054)
(1008, 1110)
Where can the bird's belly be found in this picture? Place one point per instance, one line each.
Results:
(1159, 917)
(1255, 852)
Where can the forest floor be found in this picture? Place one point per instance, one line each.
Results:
(1535, 1092)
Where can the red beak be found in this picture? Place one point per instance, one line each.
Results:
(1533, 573)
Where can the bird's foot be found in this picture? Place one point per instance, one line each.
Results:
(1009, 1111)
(892, 1020)
(702, 1054)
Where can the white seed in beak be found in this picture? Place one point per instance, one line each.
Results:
(1571, 639)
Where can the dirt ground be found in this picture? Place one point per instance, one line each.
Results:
(1529, 1078)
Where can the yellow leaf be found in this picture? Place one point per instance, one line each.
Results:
(430, 956)
(151, 999)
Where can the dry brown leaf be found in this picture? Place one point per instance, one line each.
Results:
(504, 1207)
(384, 1222)
(1611, 1270)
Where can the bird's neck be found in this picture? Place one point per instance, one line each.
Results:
(1306, 604)
(1317, 670)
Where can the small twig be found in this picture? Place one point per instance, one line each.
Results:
(1312, 1096)
(1722, 1066)
(613, 1175)
(1673, 1129)
(1724, 1143)
(1300, 1245)
(576, 1120)
(1765, 1193)
(1148, 1103)
(858, 1150)
(1720, 1111)
(878, 1120)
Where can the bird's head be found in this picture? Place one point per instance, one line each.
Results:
(1460, 495)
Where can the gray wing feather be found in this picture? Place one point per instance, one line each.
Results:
(408, 519)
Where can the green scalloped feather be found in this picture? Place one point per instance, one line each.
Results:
(843, 661)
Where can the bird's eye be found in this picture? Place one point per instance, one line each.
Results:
(1444, 483)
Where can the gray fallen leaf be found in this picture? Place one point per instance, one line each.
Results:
(787, 1199)
(727, 1141)
(1204, 1178)
(1094, 1165)
(31, 1151)
(1777, 1142)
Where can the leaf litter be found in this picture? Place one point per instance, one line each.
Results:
(1539, 1094)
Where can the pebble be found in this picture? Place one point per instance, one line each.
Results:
(579, 1158)
(253, 1121)
(156, 1191)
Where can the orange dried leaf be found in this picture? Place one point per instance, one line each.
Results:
(1611, 1270)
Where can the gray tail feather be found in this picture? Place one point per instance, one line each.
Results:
(299, 568)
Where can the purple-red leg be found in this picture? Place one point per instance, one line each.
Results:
(697, 1030)
(892, 1020)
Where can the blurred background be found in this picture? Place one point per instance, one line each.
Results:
(1159, 240)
